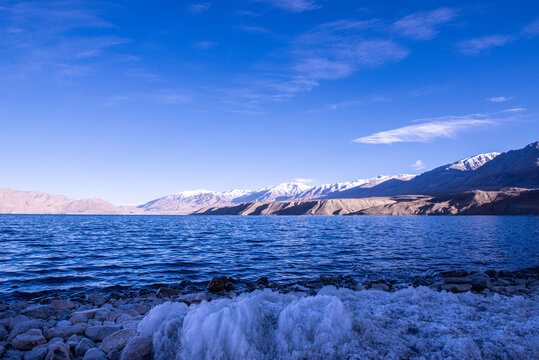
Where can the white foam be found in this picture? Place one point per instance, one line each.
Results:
(343, 324)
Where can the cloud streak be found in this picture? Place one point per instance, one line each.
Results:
(295, 6)
(479, 45)
(498, 99)
(443, 127)
(423, 25)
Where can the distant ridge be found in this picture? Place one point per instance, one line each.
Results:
(35, 202)
(486, 172)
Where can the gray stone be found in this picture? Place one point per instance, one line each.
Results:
(2, 350)
(66, 331)
(3, 333)
(95, 354)
(457, 288)
(18, 306)
(98, 333)
(114, 355)
(167, 292)
(217, 284)
(13, 354)
(83, 346)
(63, 323)
(480, 281)
(25, 326)
(117, 340)
(78, 317)
(73, 341)
(17, 320)
(58, 351)
(7, 314)
(37, 353)
(457, 280)
(62, 304)
(39, 311)
(28, 340)
(137, 348)
(380, 286)
(96, 298)
(454, 273)
(94, 322)
(123, 318)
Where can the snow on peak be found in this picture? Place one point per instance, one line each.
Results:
(189, 193)
(290, 188)
(473, 162)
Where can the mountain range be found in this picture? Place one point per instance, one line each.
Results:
(487, 172)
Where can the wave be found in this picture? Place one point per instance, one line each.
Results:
(412, 323)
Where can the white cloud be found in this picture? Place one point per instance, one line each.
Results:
(446, 126)
(499, 98)
(478, 45)
(422, 25)
(199, 7)
(302, 180)
(516, 109)
(418, 165)
(294, 5)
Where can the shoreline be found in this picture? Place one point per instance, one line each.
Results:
(74, 323)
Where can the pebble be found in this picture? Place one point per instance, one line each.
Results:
(137, 348)
(167, 292)
(66, 331)
(117, 340)
(454, 273)
(17, 320)
(83, 346)
(24, 326)
(62, 304)
(58, 351)
(96, 298)
(457, 288)
(37, 353)
(98, 333)
(95, 354)
(217, 284)
(39, 311)
(28, 340)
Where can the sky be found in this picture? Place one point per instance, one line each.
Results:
(133, 100)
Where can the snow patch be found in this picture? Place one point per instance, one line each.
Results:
(413, 323)
(473, 162)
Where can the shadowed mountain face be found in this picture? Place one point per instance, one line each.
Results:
(34, 202)
(505, 202)
(515, 168)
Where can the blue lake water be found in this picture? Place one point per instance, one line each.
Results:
(44, 252)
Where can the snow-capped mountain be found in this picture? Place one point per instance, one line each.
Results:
(186, 202)
(473, 162)
(483, 171)
(320, 191)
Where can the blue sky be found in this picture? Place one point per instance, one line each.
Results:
(129, 100)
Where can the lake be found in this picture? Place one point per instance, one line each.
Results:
(50, 252)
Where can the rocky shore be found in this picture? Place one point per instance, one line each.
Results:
(100, 326)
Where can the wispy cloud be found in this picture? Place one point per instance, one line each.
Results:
(478, 45)
(499, 98)
(513, 110)
(294, 5)
(165, 97)
(255, 29)
(418, 165)
(532, 28)
(204, 45)
(423, 25)
(302, 180)
(53, 37)
(430, 129)
(330, 51)
(198, 8)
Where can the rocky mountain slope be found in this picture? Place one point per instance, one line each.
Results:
(493, 171)
(504, 202)
(34, 202)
